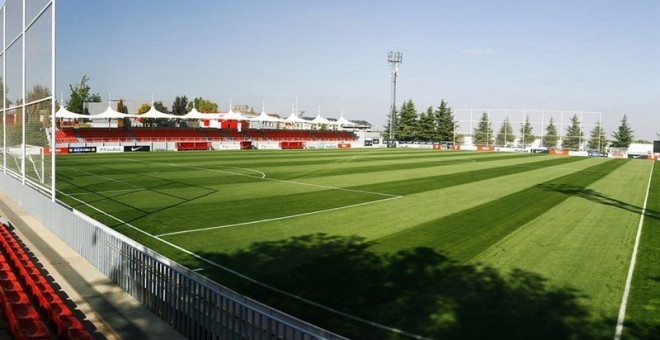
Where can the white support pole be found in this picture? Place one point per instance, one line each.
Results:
(52, 107)
(23, 106)
(543, 127)
(4, 93)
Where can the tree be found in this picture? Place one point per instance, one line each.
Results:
(80, 95)
(203, 105)
(40, 109)
(121, 108)
(505, 135)
(407, 128)
(94, 98)
(623, 136)
(143, 108)
(550, 139)
(445, 124)
(2, 94)
(483, 133)
(179, 106)
(426, 126)
(526, 135)
(386, 128)
(160, 107)
(574, 135)
(597, 139)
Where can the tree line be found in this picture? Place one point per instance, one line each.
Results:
(439, 125)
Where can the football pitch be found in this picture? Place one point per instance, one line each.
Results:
(389, 243)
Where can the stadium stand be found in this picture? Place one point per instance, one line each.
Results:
(66, 136)
(104, 135)
(235, 135)
(214, 134)
(332, 135)
(92, 135)
(256, 135)
(166, 134)
(292, 135)
(30, 304)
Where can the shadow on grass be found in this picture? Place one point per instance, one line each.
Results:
(419, 291)
(597, 197)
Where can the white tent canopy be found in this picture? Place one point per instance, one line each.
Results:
(231, 115)
(320, 120)
(293, 118)
(66, 114)
(343, 121)
(153, 113)
(110, 113)
(264, 117)
(194, 114)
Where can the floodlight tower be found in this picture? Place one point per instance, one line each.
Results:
(394, 58)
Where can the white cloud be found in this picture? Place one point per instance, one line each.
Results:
(479, 51)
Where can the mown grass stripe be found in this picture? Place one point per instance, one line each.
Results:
(467, 233)
(412, 163)
(417, 185)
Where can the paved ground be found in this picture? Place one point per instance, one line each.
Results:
(108, 312)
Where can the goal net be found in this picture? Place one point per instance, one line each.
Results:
(32, 161)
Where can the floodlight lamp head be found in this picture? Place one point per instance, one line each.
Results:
(395, 57)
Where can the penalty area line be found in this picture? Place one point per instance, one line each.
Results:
(276, 218)
(633, 259)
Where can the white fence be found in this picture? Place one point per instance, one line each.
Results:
(193, 305)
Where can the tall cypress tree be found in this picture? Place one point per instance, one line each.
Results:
(407, 128)
(426, 126)
(574, 135)
(597, 139)
(505, 135)
(445, 125)
(483, 133)
(623, 136)
(550, 138)
(526, 135)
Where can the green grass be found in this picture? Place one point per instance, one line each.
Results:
(440, 244)
(643, 314)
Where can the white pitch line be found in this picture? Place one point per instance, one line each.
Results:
(276, 218)
(631, 268)
(106, 192)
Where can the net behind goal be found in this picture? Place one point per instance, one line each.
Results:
(33, 160)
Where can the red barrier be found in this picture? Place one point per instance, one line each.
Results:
(292, 145)
(186, 146)
(559, 152)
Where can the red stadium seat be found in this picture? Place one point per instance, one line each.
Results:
(66, 323)
(30, 329)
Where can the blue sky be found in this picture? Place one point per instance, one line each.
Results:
(562, 55)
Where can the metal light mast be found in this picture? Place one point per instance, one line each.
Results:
(394, 58)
